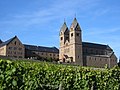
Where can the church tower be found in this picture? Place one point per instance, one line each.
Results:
(64, 37)
(71, 43)
(75, 36)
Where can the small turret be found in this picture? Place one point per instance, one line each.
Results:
(64, 29)
(64, 33)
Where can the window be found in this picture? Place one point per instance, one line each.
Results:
(15, 43)
(50, 54)
(95, 59)
(91, 51)
(86, 51)
(61, 38)
(90, 58)
(71, 34)
(96, 51)
(14, 52)
(20, 56)
(15, 56)
(102, 52)
(77, 34)
(10, 48)
(20, 48)
(8, 52)
(15, 48)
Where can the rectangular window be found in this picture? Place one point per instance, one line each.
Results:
(20, 56)
(10, 48)
(15, 48)
(15, 43)
(20, 48)
(14, 52)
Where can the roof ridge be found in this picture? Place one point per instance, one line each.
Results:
(64, 27)
(8, 41)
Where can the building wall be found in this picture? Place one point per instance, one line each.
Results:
(100, 61)
(113, 60)
(64, 45)
(3, 51)
(15, 49)
(37, 55)
(94, 51)
(71, 47)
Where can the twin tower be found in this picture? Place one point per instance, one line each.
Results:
(71, 43)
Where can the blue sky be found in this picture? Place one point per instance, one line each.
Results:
(38, 22)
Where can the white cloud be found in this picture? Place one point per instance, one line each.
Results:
(58, 9)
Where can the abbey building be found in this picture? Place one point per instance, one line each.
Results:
(73, 50)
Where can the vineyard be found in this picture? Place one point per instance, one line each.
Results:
(30, 75)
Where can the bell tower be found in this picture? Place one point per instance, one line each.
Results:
(75, 37)
(64, 36)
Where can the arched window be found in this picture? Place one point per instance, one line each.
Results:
(61, 38)
(77, 34)
(71, 34)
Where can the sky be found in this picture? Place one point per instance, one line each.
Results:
(38, 22)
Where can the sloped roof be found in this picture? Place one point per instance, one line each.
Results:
(99, 56)
(64, 28)
(7, 42)
(0, 41)
(95, 45)
(74, 23)
(41, 48)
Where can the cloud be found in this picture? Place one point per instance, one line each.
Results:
(57, 10)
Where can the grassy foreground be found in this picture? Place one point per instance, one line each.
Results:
(30, 75)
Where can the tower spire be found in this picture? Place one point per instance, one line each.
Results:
(64, 20)
(64, 28)
(75, 15)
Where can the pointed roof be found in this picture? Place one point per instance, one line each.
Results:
(64, 28)
(7, 42)
(74, 23)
